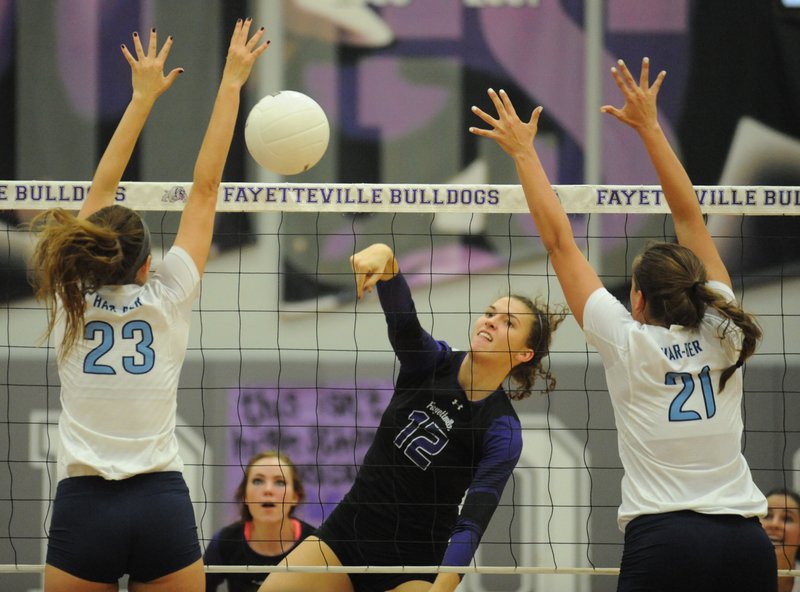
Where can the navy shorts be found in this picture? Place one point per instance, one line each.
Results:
(143, 526)
(340, 534)
(693, 552)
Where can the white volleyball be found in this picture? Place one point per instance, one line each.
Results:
(287, 132)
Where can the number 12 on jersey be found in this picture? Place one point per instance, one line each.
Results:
(421, 439)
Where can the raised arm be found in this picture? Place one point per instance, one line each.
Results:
(416, 349)
(640, 113)
(197, 220)
(577, 277)
(149, 83)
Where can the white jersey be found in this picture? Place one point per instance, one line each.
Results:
(679, 437)
(119, 383)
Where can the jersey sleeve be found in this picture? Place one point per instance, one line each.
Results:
(730, 335)
(606, 324)
(213, 556)
(502, 450)
(179, 274)
(415, 348)
(724, 290)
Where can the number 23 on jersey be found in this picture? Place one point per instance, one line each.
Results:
(139, 332)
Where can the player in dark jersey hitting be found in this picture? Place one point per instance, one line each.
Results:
(449, 429)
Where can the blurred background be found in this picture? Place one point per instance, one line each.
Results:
(397, 79)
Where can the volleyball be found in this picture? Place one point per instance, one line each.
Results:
(287, 132)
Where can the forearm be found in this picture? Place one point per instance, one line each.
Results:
(117, 154)
(548, 214)
(120, 148)
(197, 220)
(395, 296)
(415, 348)
(216, 143)
(674, 180)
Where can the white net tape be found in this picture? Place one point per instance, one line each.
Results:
(405, 198)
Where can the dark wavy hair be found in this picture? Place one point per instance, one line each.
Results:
(546, 321)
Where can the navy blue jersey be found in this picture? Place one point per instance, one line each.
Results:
(432, 446)
(229, 547)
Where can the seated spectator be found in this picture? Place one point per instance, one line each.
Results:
(268, 494)
(782, 524)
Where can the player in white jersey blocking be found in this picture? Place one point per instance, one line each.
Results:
(122, 506)
(672, 366)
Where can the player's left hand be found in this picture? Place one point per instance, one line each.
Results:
(243, 52)
(639, 110)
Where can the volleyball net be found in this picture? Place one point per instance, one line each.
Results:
(283, 357)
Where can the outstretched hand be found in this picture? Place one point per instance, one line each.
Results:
(371, 265)
(639, 110)
(508, 130)
(242, 53)
(147, 68)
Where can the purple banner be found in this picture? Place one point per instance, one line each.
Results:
(325, 431)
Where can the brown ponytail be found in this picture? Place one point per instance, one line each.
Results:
(673, 282)
(751, 332)
(75, 257)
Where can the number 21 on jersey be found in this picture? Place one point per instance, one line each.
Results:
(688, 383)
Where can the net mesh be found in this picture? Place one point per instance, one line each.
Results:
(283, 357)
